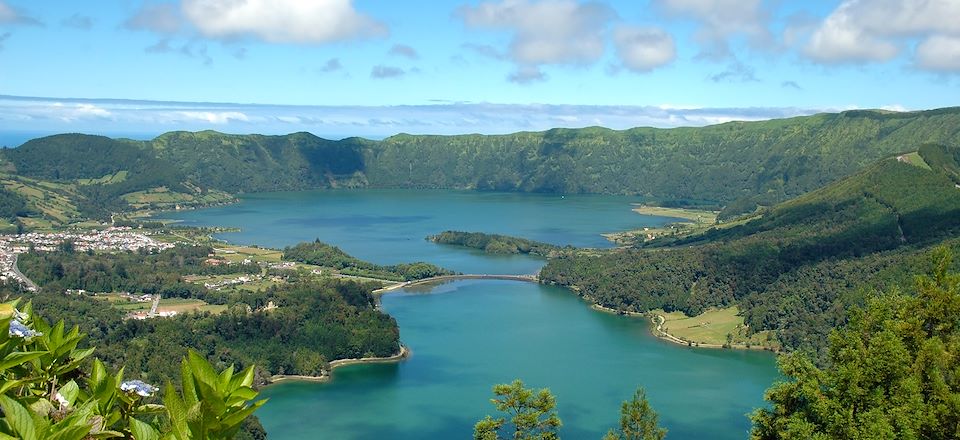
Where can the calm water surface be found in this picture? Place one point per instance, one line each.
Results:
(391, 226)
(468, 335)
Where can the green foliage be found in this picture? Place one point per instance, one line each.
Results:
(314, 322)
(792, 268)
(892, 371)
(211, 406)
(322, 254)
(495, 244)
(12, 204)
(72, 157)
(46, 394)
(743, 164)
(638, 421)
(137, 272)
(943, 159)
(252, 163)
(783, 158)
(531, 413)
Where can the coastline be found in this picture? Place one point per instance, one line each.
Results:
(328, 375)
(656, 329)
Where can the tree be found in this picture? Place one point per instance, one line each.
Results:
(45, 391)
(638, 421)
(531, 414)
(892, 371)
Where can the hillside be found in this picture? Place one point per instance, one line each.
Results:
(766, 161)
(795, 267)
(740, 164)
(71, 177)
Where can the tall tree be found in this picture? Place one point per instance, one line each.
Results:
(638, 421)
(893, 372)
(532, 414)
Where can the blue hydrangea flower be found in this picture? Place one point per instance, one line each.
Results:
(18, 329)
(139, 387)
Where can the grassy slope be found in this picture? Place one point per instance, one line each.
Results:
(790, 267)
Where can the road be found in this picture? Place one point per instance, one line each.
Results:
(30, 284)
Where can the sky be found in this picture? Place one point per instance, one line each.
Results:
(374, 68)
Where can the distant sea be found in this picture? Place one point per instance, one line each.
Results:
(12, 138)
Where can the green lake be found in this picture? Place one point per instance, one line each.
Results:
(468, 335)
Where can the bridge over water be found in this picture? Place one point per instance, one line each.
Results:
(525, 278)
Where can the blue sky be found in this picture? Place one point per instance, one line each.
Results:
(373, 68)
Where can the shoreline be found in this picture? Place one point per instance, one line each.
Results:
(328, 375)
(657, 320)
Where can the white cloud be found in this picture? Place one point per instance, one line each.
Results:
(564, 32)
(894, 108)
(213, 117)
(281, 21)
(720, 20)
(129, 116)
(842, 39)
(643, 49)
(879, 30)
(71, 112)
(939, 53)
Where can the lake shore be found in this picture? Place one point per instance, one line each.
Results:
(328, 375)
(696, 215)
(658, 321)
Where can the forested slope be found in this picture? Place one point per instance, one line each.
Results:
(793, 267)
(738, 164)
(766, 161)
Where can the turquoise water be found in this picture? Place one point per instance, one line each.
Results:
(468, 335)
(391, 226)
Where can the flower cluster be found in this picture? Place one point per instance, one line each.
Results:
(139, 387)
(18, 329)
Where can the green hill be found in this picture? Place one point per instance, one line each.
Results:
(793, 267)
(256, 163)
(763, 162)
(740, 164)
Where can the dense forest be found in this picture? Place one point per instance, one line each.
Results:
(309, 322)
(315, 320)
(495, 243)
(54, 387)
(739, 164)
(890, 372)
(322, 254)
(139, 272)
(794, 268)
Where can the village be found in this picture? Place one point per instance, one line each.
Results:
(107, 240)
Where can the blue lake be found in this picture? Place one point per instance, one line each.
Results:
(468, 335)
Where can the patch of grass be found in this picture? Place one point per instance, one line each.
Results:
(697, 216)
(179, 305)
(696, 220)
(52, 200)
(163, 198)
(712, 327)
(240, 253)
(914, 159)
(118, 177)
